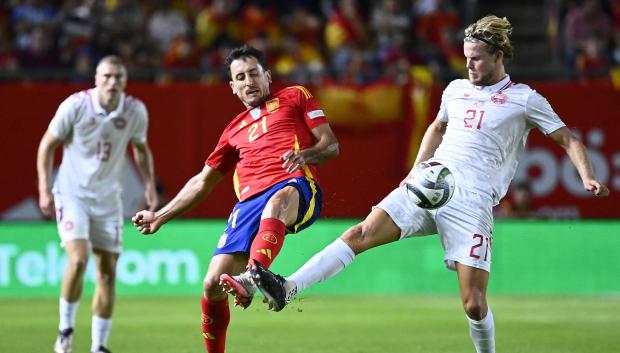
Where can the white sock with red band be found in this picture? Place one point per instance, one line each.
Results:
(325, 264)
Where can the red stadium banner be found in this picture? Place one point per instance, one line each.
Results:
(591, 111)
(375, 133)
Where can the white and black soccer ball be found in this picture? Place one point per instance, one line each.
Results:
(430, 185)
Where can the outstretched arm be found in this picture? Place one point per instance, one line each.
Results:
(431, 140)
(325, 148)
(45, 160)
(579, 156)
(144, 159)
(194, 191)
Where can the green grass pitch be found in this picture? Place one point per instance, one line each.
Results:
(364, 324)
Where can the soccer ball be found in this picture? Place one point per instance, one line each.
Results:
(430, 185)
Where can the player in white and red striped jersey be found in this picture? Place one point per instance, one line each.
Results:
(479, 134)
(94, 127)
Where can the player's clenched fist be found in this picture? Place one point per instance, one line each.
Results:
(596, 187)
(146, 222)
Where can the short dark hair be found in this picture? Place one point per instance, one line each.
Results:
(245, 51)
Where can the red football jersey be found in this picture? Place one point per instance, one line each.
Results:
(255, 140)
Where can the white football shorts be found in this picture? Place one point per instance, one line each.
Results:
(464, 225)
(98, 220)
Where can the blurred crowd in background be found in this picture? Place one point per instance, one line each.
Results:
(307, 41)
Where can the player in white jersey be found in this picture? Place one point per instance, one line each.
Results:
(479, 133)
(94, 126)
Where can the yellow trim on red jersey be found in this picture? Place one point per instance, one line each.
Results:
(305, 91)
(236, 185)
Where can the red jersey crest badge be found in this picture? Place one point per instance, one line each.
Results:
(68, 226)
(269, 237)
(120, 123)
(499, 98)
(272, 105)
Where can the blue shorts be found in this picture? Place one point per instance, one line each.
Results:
(246, 215)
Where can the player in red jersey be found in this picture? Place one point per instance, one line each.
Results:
(274, 146)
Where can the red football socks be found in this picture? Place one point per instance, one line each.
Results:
(268, 241)
(215, 319)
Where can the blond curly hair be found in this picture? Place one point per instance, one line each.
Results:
(494, 32)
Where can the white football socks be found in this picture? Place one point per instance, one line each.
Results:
(483, 333)
(68, 312)
(323, 265)
(100, 331)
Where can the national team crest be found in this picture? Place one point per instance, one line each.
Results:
(206, 320)
(120, 123)
(499, 98)
(68, 226)
(269, 237)
(272, 105)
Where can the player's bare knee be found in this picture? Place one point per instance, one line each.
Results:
(106, 278)
(77, 263)
(212, 288)
(210, 282)
(356, 238)
(475, 309)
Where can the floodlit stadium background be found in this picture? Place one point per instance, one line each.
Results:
(380, 89)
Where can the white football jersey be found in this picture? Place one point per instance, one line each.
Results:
(95, 143)
(487, 131)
